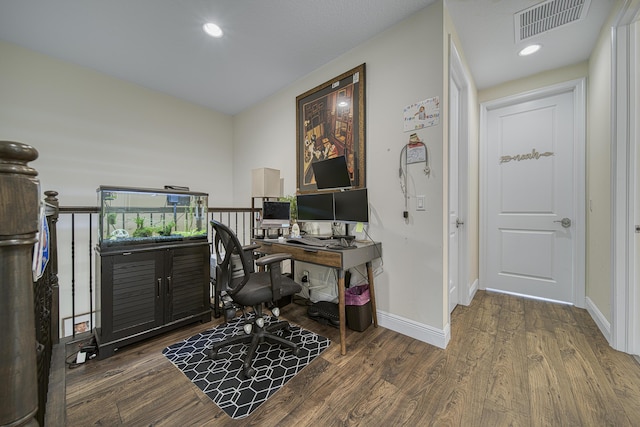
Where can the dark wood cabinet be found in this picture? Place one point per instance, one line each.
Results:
(146, 291)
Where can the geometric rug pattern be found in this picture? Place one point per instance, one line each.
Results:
(222, 380)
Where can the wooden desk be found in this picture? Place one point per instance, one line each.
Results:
(339, 259)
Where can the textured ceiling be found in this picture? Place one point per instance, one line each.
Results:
(160, 43)
(487, 31)
(267, 45)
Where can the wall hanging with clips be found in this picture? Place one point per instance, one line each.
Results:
(413, 152)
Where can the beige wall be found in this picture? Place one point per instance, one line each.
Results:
(93, 130)
(403, 65)
(547, 78)
(598, 286)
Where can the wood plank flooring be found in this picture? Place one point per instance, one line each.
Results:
(511, 362)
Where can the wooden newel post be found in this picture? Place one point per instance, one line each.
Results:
(19, 208)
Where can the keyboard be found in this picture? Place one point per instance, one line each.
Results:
(311, 241)
(340, 237)
(331, 237)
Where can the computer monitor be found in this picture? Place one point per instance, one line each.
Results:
(315, 207)
(351, 206)
(331, 173)
(275, 214)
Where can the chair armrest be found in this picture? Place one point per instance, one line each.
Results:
(275, 271)
(251, 247)
(271, 259)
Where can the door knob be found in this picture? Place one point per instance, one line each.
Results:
(565, 222)
(459, 223)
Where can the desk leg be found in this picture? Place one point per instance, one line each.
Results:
(343, 317)
(372, 293)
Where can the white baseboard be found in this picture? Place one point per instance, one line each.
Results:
(425, 333)
(473, 289)
(601, 321)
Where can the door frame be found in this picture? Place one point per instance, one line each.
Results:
(577, 88)
(625, 141)
(458, 75)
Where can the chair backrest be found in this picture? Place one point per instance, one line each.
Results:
(225, 239)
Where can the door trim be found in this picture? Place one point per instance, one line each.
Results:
(577, 88)
(625, 308)
(459, 76)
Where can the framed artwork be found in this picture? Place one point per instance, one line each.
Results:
(330, 122)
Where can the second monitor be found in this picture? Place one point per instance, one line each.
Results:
(351, 206)
(344, 206)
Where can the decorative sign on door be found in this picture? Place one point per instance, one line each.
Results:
(533, 155)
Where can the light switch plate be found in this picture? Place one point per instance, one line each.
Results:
(420, 205)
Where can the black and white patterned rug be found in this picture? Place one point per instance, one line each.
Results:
(222, 380)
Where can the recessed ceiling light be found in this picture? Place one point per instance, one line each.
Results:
(212, 29)
(532, 48)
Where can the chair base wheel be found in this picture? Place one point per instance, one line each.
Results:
(248, 373)
(229, 314)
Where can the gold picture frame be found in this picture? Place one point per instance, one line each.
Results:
(330, 122)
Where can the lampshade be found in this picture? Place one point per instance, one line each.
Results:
(265, 182)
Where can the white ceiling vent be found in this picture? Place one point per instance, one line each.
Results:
(547, 16)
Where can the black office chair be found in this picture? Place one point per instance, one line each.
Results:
(222, 302)
(247, 288)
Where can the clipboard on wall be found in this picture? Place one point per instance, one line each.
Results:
(416, 151)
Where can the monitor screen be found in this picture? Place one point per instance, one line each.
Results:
(351, 206)
(331, 173)
(276, 214)
(315, 207)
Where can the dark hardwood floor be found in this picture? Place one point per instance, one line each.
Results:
(510, 362)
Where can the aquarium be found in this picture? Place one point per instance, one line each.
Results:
(137, 216)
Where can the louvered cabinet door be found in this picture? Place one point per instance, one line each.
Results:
(187, 281)
(132, 294)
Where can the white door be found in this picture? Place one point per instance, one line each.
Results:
(529, 196)
(459, 291)
(454, 100)
(633, 320)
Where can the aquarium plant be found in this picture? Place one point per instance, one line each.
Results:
(111, 221)
(293, 206)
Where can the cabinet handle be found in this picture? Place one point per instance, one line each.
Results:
(158, 287)
(170, 287)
